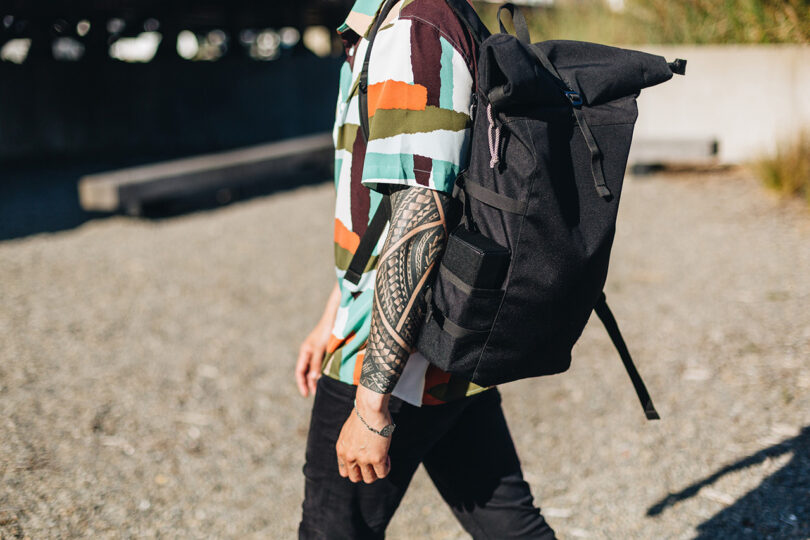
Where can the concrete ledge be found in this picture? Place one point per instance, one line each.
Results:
(697, 151)
(747, 97)
(128, 189)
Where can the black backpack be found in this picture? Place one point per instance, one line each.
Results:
(536, 207)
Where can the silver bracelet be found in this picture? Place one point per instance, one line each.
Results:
(384, 432)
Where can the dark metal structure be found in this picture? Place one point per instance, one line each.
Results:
(37, 17)
(169, 106)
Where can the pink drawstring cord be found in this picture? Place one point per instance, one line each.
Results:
(494, 142)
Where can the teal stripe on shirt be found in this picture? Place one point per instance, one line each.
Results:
(446, 75)
(388, 167)
(345, 81)
(444, 175)
(367, 7)
(360, 312)
(338, 167)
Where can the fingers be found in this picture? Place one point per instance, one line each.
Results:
(353, 472)
(368, 474)
(349, 469)
(308, 368)
(315, 364)
(301, 368)
(382, 469)
(361, 455)
(312, 379)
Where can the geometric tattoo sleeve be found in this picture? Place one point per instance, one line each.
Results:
(416, 238)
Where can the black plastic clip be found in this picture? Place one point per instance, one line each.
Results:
(352, 277)
(574, 98)
(429, 303)
(678, 66)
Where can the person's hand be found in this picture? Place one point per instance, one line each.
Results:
(312, 350)
(310, 358)
(363, 454)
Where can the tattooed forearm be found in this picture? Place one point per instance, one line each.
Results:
(416, 238)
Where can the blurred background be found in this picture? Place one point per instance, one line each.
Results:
(165, 244)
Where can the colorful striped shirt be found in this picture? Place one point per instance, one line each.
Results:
(419, 97)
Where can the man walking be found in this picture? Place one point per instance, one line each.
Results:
(381, 409)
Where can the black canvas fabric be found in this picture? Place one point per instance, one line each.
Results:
(539, 201)
(552, 127)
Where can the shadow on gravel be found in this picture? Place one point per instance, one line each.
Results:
(215, 198)
(38, 197)
(43, 197)
(778, 508)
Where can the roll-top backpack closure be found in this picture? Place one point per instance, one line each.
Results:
(512, 75)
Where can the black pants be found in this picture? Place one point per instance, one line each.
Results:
(465, 446)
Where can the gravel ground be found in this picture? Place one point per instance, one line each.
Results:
(146, 389)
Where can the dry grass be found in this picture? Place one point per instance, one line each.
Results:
(667, 21)
(722, 21)
(788, 171)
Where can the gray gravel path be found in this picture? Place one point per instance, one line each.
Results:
(146, 390)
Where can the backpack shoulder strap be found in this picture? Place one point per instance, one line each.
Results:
(363, 83)
(605, 315)
(479, 32)
(469, 18)
(378, 222)
(463, 10)
(368, 241)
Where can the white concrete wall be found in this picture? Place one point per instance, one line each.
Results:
(747, 96)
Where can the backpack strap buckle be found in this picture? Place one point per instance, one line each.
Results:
(574, 98)
(458, 187)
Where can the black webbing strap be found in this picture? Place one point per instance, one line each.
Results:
(496, 200)
(469, 18)
(576, 103)
(518, 21)
(368, 241)
(362, 95)
(448, 326)
(605, 315)
(596, 154)
(469, 290)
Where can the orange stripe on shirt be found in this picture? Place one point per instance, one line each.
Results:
(358, 367)
(335, 342)
(396, 95)
(345, 238)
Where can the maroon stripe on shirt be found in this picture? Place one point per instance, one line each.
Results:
(426, 60)
(360, 198)
(442, 17)
(422, 166)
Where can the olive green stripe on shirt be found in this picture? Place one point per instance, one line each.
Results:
(343, 258)
(346, 136)
(332, 363)
(390, 122)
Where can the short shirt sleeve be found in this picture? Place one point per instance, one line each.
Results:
(419, 95)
